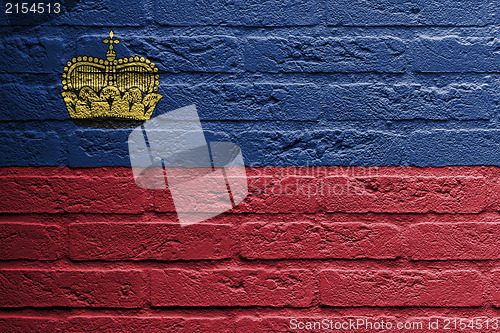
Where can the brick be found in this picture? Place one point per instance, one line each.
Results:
(31, 148)
(173, 54)
(24, 101)
(232, 287)
(321, 147)
(451, 288)
(359, 147)
(360, 101)
(65, 172)
(279, 195)
(99, 147)
(161, 201)
(39, 194)
(495, 283)
(263, 324)
(31, 241)
(367, 101)
(267, 101)
(88, 288)
(399, 194)
(304, 240)
(31, 324)
(496, 204)
(116, 324)
(103, 13)
(415, 13)
(453, 54)
(328, 55)
(496, 13)
(42, 55)
(156, 241)
(252, 13)
(453, 241)
(455, 147)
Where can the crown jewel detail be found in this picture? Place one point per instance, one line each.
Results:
(111, 92)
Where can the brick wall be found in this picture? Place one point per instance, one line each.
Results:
(93, 252)
(393, 107)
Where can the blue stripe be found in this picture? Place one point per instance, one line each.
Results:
(61, 143)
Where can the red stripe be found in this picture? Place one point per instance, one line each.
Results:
(272, 190)
(87, 249)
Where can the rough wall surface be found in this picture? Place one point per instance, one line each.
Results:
(371, 132)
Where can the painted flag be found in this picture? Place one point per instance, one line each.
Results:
(349, 156)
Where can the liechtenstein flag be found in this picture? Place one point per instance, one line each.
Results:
(225, 166)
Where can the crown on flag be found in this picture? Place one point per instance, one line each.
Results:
(110, 92)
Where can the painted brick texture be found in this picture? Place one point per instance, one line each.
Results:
(264, 254)
(371, 135)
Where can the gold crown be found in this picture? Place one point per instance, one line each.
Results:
(112, 92)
